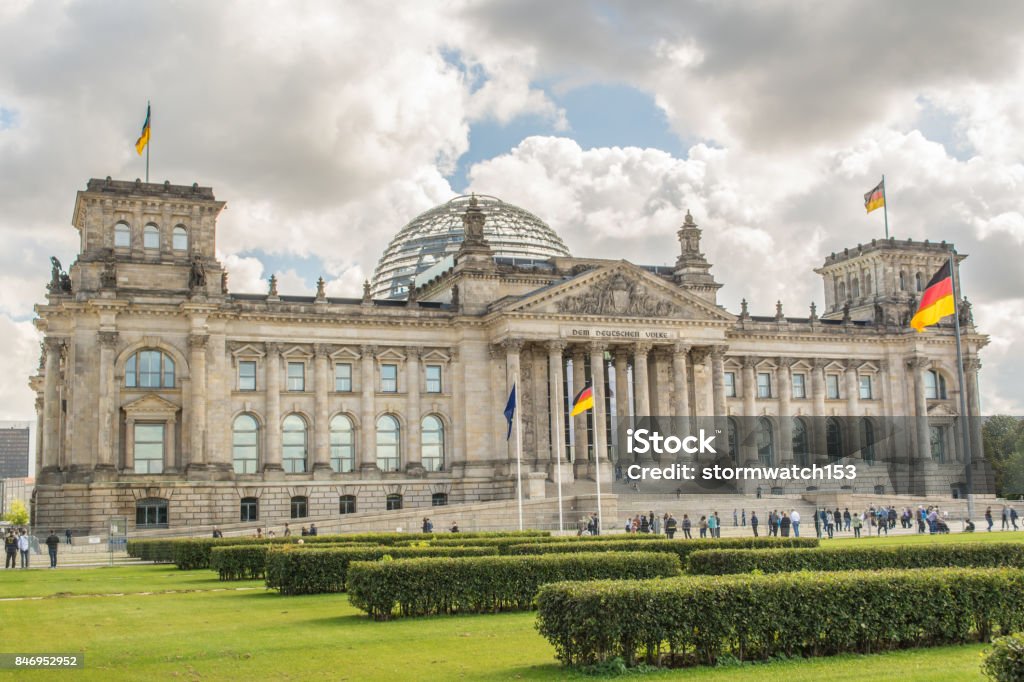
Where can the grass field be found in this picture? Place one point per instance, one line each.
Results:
(209, 630)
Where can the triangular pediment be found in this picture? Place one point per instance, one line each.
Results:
(618, 290)
(150, 406)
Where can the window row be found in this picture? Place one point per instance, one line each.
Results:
(766, 381)
(297, 370)
(152, 237)
(836, 445)
(152, 512)
(245, 444)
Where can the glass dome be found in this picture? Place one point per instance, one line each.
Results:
(433, 237)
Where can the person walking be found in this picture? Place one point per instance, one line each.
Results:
(743, 518)
(988, 518)
(11, 549)
(287, 531)
(753, 522)
(771, 523)
(794, 519)
(830, 525)
(1013, 517)
(23, 548)
(857, 523)
(817, 525)
(735, 519)
(686, 527)
(52, 543)
(847, 518)
(1006, 519)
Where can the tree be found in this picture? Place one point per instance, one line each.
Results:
(1013, 475)
(1003, 440)
(18, 515)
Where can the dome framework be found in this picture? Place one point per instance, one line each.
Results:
(431, 236)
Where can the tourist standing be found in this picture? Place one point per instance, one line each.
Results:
(713, 525)
(670, 527)
(857, 523)
(1006, 519)
(743, 518)
(784, 523)
(794, 518)
(11, 549)
(703, 525)
(428, 526)
(1013, 517)
(686, 527)
(753, 522)
(52, 543)
(216, 533)
(988, 518)
(23, 548)
(735, 518)
(847, 518)
(67, 535)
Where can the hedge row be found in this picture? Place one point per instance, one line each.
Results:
(240, 562)
(318, 570)
(421, 587)
(194, 553)
(724, 561)
(681, 548)
(699, 620)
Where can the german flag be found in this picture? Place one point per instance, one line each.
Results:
(875, 198)
(143, 140)
(936, 301)
(583, 401)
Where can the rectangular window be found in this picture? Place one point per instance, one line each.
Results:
(299, 508)
(865, 388)
(433, 378)
(347, 504)
(799, 386)
(764, 385)
(296, 376)
(149, 448)
(247, 375)
(832, 386)
(389, 378)
(343, 377)
(250, 509)
(730, 384)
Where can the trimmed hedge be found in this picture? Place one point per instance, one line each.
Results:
(240, 562)
(319, 570)
(422, 587)
(725, 561)
(1005, 661)
(504, 543)
(700, 620)
(681, 548)
(194, 553)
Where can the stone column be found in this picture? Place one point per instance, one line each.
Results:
(971, 366)
(106, 460)
(681, 398)
(853, 409)
(197, 442)
(366, 455)
(170, 447)
(718, 385)
(272, 456)
(51, 411)
(918, 365)
(642, 392)
(819, 449)
(555, 380)
(321, 414)
(129, 444)
(581, 440)
(413, 461)
(748, 437)
(597, 372)
(622, 417)
(784, 385)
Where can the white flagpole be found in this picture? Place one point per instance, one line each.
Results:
(519, 452)
(598, 405)
(559, 444)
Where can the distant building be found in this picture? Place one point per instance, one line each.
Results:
(15, 449)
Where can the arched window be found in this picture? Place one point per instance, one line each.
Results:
(842, 293)
(838, 293)
(151, 513)
(343, 456)
(149, 369)
(903, 281)
(389, 440)
(765, 442)
(834, 438)
(867, 282)
(432, 443)
(347, 504)
(249, 509)
(919, 282)
(733, 439)
(122, 236)
(439, 500)
(300, 507)
(293, 444)
(934, 385)
(855, 288)
(151, 237)
(179, 238)
(867, 440)
(801, 442)
(245, 435)
(394, 502)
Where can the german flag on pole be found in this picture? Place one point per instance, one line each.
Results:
(143, 140)
(875, 198)
(936, 301)
(583, 401)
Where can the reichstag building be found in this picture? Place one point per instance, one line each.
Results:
(166, 397)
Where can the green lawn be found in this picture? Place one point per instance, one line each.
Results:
(211, 633)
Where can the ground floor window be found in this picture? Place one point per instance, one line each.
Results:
(439, 499)
(250, 509)
(394, 502)
(300, 507)
(347, 504)
(151, 513)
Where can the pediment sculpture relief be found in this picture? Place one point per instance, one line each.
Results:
(618, 295)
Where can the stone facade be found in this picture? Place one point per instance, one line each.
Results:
(159, 388)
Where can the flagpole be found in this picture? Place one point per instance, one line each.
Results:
(598, 405)
(559, 445)
(885, 207)
(149, 142)
(519, 454)
(964, 424)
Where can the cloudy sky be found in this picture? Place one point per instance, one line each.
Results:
(327, 126)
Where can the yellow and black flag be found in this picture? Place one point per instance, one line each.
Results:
(936, 301)
(583, 401)
(876, 197)
(143, 140)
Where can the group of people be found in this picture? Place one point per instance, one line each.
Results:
(18, 541)
(1009, 517)
(428, 526)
